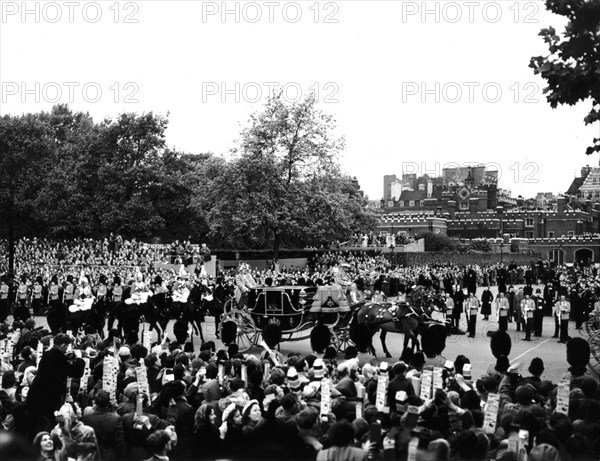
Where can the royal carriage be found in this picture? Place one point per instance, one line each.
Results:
(295, 310)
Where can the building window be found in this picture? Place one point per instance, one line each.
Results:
(412, 203)
(529, 222)
(421, 203)
(529, 234)
(464, 205)
(570, 234)
(550, 234)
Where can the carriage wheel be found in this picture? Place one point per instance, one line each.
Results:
(341, 339)
(247, 335)
(593, 324)
(594, 363)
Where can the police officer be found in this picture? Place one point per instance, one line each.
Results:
(562, 310)
(502, 308)
(471, 309)
(527, 311)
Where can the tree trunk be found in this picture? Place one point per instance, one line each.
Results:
(276, 242)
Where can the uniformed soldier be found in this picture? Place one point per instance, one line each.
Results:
(502, 310)
(4, 303)
(527, 311)
(562, 310)
(36, 296)
(22, 310)
(471, 309)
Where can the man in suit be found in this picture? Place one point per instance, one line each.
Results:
(519, 297)
(108, 427)
(159, 444)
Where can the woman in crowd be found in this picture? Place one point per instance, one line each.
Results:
(207, 441)
(44, 445)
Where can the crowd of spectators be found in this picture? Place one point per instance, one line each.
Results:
(211, 401)
(217, 403)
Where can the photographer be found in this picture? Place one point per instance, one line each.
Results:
(48, 389)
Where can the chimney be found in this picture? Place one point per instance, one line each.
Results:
(473, 205)
(561, 204)
(429, 189)
(451, 208)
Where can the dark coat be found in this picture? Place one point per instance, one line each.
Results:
(396, 385)
(486, 302)
(108, 427)
(50, 384)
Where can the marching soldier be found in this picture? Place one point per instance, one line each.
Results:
(562, 310)
(36, 296)
(471, 309)
(22, 311)
(527, 311)
(502, 310)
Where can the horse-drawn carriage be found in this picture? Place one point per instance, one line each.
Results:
(295, 310)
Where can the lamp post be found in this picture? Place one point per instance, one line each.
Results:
(500, 211)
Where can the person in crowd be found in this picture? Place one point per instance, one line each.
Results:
(108, 427)
(502, 311)
(562, 310)
(471, 310)
(44, 445)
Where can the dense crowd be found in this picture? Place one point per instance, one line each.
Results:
(101, 393)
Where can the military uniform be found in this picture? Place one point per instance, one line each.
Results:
(471, 309)
(528, 311)
(562, 310)
(502, 311)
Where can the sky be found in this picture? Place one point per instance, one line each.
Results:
(414, 86)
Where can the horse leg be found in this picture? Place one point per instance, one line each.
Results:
(199, 329)
(382, 336)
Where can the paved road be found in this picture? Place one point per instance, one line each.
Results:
(476, 349)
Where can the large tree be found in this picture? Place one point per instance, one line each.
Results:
(284, 185)
(572, 69)
(27, 147)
